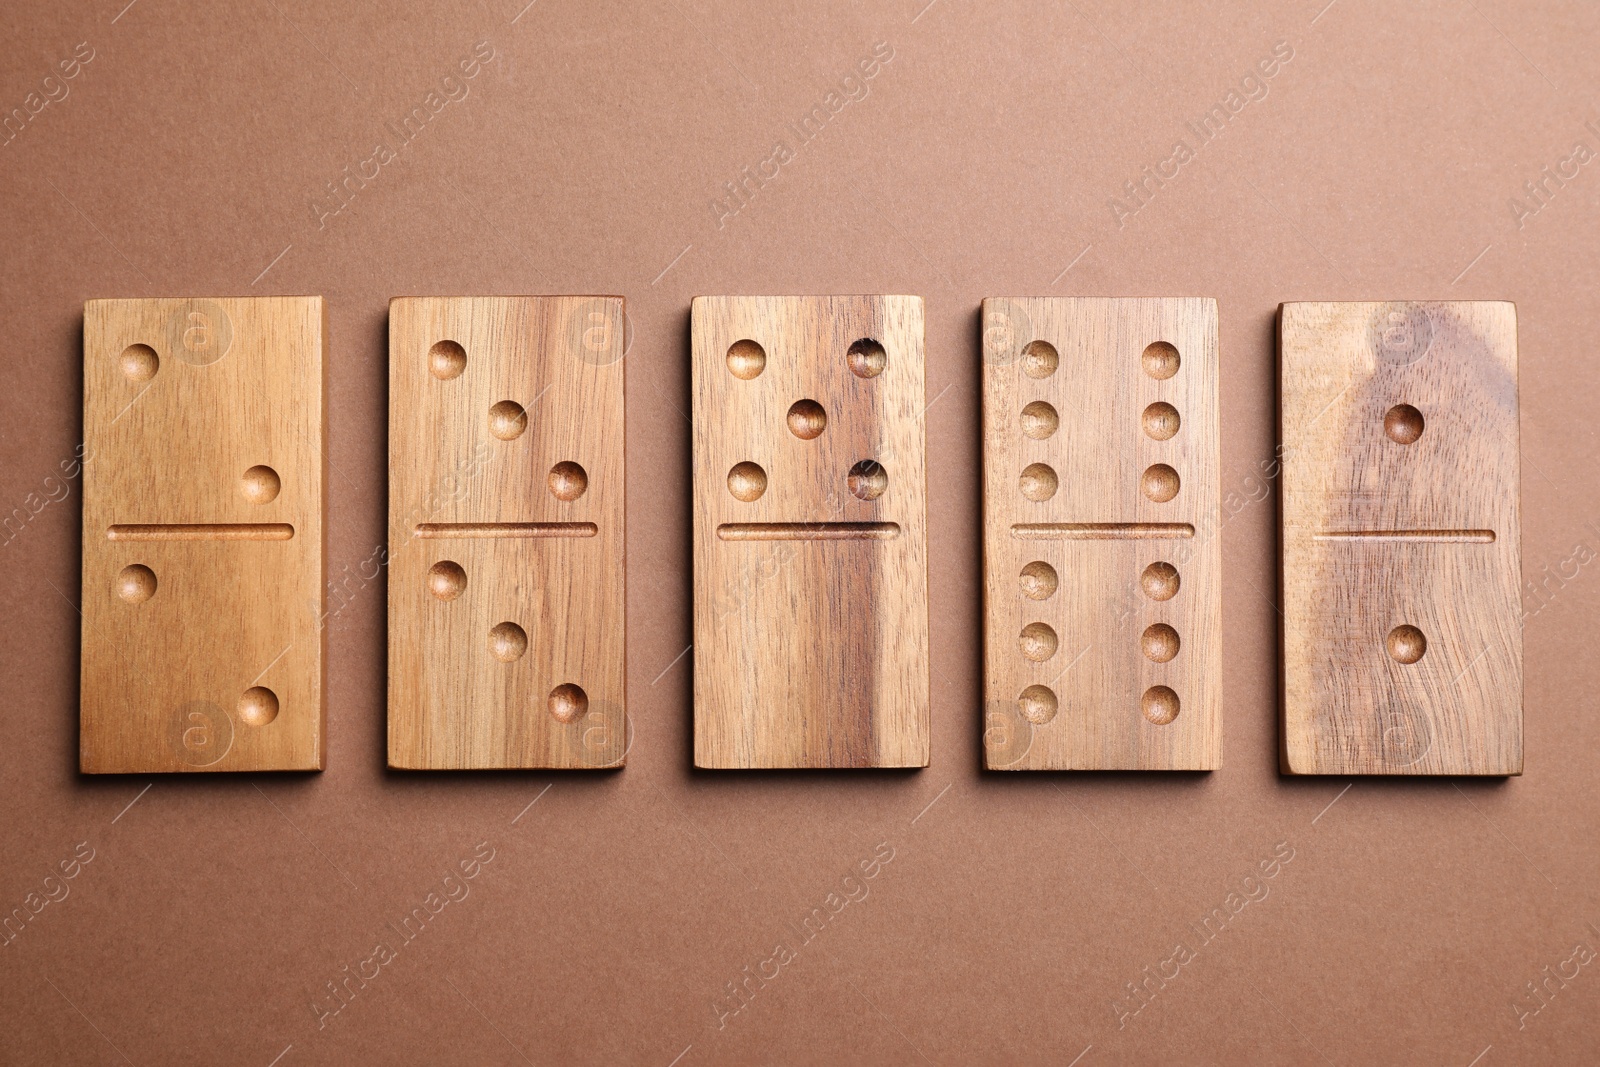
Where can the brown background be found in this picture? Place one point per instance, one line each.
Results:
(615, 911)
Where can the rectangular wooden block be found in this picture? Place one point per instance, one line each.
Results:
(1102, 598)
(506, 532)
(810, 544)
(203, 555)
(1402, 636)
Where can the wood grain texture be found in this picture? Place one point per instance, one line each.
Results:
(810, 557)
(203, 554)
(507, 589)
(1402, 637)
(1101, 555)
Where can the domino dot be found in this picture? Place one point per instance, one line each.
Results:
(1038, 704)
(866, 358)
(447, 360)
(508, 642)
(1040, 359)
(1159, 642)
(807, 419)
(1160, 361)
(568, 481)
(746, 359)
(747, 481)
(1160, 581)
(258, 706)
(446, 579)
(139, 363)
(1161, 421)
(1039, 420)
(1039, 482)
(1407, 644)
(260, 484)
(1160, 705)
(1038, 580)
(867, 480)
(1160, 483)
(507, 420)
(1403, 424)
(568, 703)
(1038, 642)
(136, 583)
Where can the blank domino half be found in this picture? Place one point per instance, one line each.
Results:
(1102, 595)
(1402, 637)
(810, 560)
(203, 563)
(506, 527)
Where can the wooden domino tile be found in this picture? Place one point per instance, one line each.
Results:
(1402, 638)
(203, 556)
(1102, 597)
(810, 559)
(506, 527)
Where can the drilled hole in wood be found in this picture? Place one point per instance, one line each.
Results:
(1039, 420)
(1038, 641)
(1160, 483)
(866, 358)
(1403, 424)
(1038, 704)
(1040, 359)
(1038, 481)
(807, 420)
(139, 363)
(1038, 580)
(260, 484)
(507, 420)
(447, 579)
(447, 360)
(568, 481)
(257, 706)
(747, 481)
(1159, 642)
(1160, 421)
(1160, 360)
(1160, 581)
(136, 583)
(1160, 705)
(867, 480)
(507, 642)
(568, 703)
(1406, 643)
(746, 359)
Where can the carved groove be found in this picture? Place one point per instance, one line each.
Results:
(808, 531)
(1101, 531)
(438, 530)
(1474, 537)
(200, 531)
